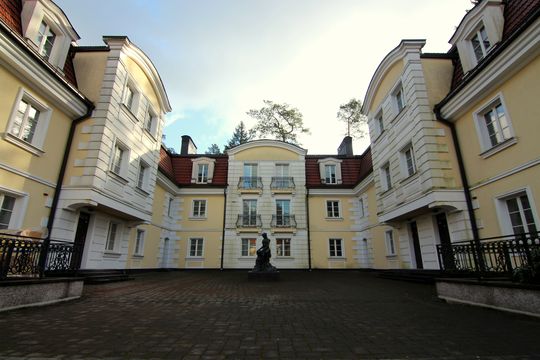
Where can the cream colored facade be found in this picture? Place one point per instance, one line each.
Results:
(37, 109)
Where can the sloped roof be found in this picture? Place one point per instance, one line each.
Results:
(354, 169)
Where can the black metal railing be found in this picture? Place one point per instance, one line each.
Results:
(249, 221)
(20, 257)
(282, 183)
(496, 256)
(250, 183)
(283, 221)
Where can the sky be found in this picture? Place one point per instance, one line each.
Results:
(220, 58)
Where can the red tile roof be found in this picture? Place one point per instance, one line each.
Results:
(178, 168)
(10, 13)
(516, 13)
(354, 169)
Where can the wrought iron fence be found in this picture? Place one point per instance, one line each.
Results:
(20, 257)
(282, 183)
(283, 221)
(496, 256)
(249, 221)
(250, 183)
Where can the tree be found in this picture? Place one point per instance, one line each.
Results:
(213, 150)
(280, 121)
(351, 114)
(240, 136)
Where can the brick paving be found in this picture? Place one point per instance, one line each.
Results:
(222, 315)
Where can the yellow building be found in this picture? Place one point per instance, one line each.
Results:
(40, 105)
(492, 108)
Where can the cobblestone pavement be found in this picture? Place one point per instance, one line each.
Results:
(222, 315)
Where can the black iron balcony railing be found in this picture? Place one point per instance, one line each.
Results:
(249, 221)
(250, 183)
(282, 183)
(499, 256)
(283, 221)
(20, 255)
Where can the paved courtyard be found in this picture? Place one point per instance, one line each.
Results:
(222, 315)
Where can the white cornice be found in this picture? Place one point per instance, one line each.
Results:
(471, 19)
(516, 56)
(202, 191)
(144, 62)
(397, 54)
(27, 175)
(164, 181)
(28, 68)
(267, 142)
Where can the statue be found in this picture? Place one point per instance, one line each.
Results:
(263, 256)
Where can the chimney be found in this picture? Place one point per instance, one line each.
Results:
(345, 148)
(188, 146)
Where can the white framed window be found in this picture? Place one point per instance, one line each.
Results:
(386, 178)
(282, 170)
(332, 209)
(335, 247)
(196, 248)
(389, 241)
(249, 212)
(283, 212)
(283, 247)
(494, 126)
(398, 98)
(112, 236)
(139, 243)
(28, 123)
(7, 205)
(249, 247)
(408, 164)
(480, 43)
(330, 171)
(202, 173)
(517, 212)
(199, 209)
(142, 176)
(361, 212)
(150, 121)
(45, 40)
(131, 97)
(379, 122)
(119, 159)
(330, 174)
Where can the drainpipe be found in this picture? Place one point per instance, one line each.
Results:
(466, 189)
(223, 233)
(58, 188)
(308, 231)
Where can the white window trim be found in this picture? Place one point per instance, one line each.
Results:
(340, 217)
(505, 225)
(241, 244)
(379, 119)
(140, 251)
(342, 256)
(361, 208)
(124, 162)
(403, 161)
(19, 209)
(393, 94)
(384, 179)
(133, 110)
(290, 248)
(195, 169)
(36, 146)
(117, 238)
(145, 180)
(322, 172)
(486, 149)
(170, 206)
(387, 239)
(188, 252)
(199, 217)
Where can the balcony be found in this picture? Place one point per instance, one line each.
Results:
(250, 184)
(282, 184)
(248, 222)
(283, 223)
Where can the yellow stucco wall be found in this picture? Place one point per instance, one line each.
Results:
(386, 84)
(90, 69)
(138, 75)
(438, 78)
(266, 153)
(522, 109)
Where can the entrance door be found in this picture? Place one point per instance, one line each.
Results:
(446, 245)
(416, 245)
(80, 239)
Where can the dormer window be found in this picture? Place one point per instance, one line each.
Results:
(480, 43)
(45, 40)
(330, 171)
(202, 170)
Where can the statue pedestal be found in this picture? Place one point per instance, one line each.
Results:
(263, 275)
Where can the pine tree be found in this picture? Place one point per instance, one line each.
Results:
(241, 135)
(213, 150)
